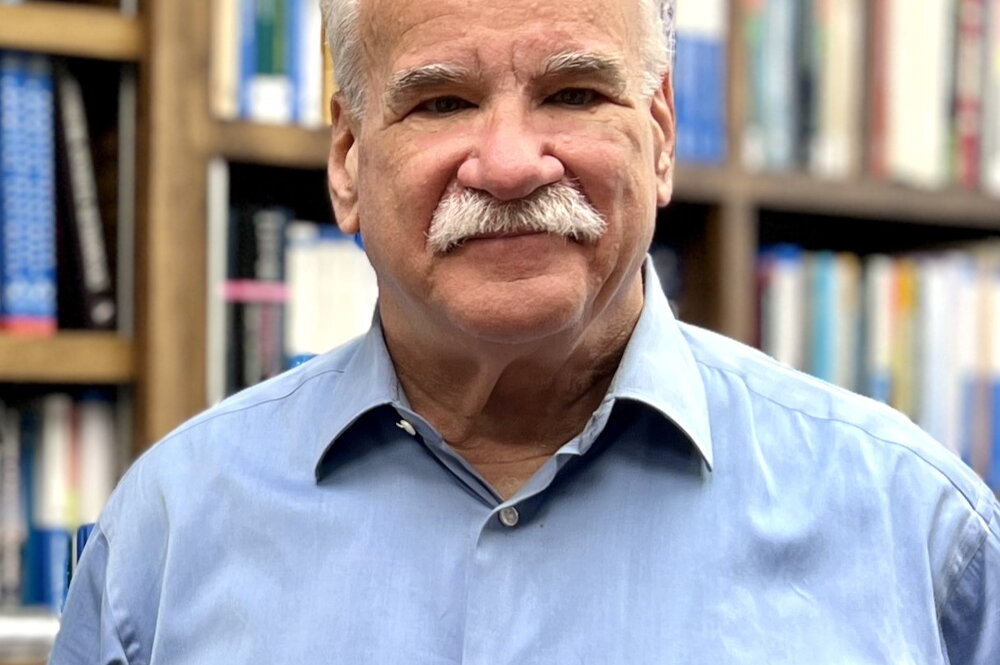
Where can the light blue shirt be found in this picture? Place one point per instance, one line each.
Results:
(718, 508)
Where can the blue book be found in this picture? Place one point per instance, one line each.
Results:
(699, 82)
(993, 472)
(27, 194)
(822, 296)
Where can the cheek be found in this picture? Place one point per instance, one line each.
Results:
(421, 169)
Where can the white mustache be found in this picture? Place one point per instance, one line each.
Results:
(560, 209)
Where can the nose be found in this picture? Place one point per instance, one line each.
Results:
(510, 159)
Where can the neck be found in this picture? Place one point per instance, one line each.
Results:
(507, 408)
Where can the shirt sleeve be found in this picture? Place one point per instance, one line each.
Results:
(88, 633)
(970, 621)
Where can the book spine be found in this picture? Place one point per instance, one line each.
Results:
(12, 525)
(248, 55)
(990, 167)
(312, 101)
(778, 77)
(97, 459)
(302, 278)
(86, 276)
(27, 180)
(993, 461)
(225, 64)
(270, 84)
(878, 157)
(754, 143)
(255, 292)
(968, 92)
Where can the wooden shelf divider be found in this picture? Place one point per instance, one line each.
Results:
(869, 199)
(68, 357)
(272, 145)
(75, 30)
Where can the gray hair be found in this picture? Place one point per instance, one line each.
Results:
(343, 28)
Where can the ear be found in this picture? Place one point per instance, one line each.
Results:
(665, 139)
(342, 168)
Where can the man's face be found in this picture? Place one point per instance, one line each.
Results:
(505, 98)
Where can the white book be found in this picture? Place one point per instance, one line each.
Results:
(921, 42)
(52, 479)
(270, 99)
(783, 311)
(302, 275)
(309, 87)
(965, 340)
(97, 459)
(838, 146)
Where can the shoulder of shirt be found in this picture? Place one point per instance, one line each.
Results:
(216, 431)
(724, 361)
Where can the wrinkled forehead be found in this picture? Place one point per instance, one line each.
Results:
(397, 34)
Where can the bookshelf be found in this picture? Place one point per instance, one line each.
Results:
(718, 219)
(77, 31)
(83, 33)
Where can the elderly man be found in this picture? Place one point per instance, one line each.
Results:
(526, 459)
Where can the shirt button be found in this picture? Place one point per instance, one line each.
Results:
(509, 516)
(406, 427)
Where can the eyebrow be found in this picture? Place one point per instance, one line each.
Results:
(609, 69)
(405, 83)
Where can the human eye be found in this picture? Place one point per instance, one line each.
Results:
(574, 97)
(445, 105)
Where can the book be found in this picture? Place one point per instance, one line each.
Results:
(224, 77)
(968, 91)
(256, 293)
(332, 288)
(777, 83)
(990, 167)
(920, 63)
(86, 297)
(27, 195)
(305, 27)
(270, 96)
(700, 81)
(781, 273)
(12, 524)
(837, 144)
(95, 454)
(754, 143)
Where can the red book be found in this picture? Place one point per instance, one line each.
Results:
(878, 161)
(970, 47)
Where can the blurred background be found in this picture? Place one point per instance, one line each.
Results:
(166, 237)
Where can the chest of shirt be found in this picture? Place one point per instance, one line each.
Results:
(362, 571)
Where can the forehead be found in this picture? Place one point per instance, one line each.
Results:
(402, 33)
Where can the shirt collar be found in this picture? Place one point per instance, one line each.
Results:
(657, 369)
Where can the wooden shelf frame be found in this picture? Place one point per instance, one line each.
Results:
(75, 30)
(69, 357)
(296, 147)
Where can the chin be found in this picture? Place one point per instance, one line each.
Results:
(518, 315)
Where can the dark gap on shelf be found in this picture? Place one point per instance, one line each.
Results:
(860, 236)
(303, 191)
(681, 229)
